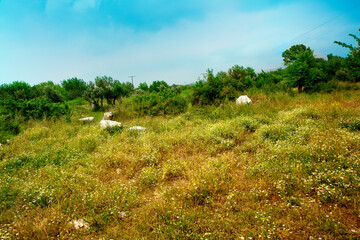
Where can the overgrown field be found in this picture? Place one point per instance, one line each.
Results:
(285, 167)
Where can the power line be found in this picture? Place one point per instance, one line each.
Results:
(318, 26)
(309, 31)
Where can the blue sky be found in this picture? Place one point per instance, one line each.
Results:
(175, 41)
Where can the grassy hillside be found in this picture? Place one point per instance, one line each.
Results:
(286, 167)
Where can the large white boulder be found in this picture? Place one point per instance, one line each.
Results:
(109, 123)
(242, 100)
(87, 119)
(137, 128)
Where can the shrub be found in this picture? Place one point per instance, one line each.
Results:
(352, 124)
(159, 103)
(8, 128)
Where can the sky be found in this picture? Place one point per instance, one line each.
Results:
(171, 40)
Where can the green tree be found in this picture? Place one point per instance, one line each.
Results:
(129, 87)
(42, 90)
(104, 88)
(74, 86)
(53, 95)
(93, 94)
(302, 71)
(270, 78)
(333, 66)
(120, 90)
(353, 58)
(290, 55)
(143, 86)
(16, 90)
(157, 86)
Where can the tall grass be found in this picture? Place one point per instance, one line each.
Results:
(285, 167)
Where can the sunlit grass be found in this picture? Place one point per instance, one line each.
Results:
(285, 168)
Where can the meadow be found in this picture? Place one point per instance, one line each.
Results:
(285, 167)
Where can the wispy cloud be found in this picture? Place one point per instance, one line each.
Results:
(87, 38)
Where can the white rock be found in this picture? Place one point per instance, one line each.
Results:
(109, 123)
(138, 128)
(80, 223)
(122, 214)
(108, 115)
(87, 119)
(243, 100)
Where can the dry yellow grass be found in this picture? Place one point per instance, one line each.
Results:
(283, 168)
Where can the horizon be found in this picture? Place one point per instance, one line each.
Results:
(54, 40)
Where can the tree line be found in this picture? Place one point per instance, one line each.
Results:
(303, 71)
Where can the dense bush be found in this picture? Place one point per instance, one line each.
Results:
(269, 78)
(159, 103)
(352, 62)
(223, 86)
(8, 127)
(16, 91)
(13, 113)
(50, 91)
(75, 87)
(158, 86)
(37, 108)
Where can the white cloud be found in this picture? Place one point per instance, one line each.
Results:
(220, 41)
(180, 53)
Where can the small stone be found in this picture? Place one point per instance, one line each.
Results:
(122, 214)
(118, 171)
(80, 223)
(138, 128)
(87, 119)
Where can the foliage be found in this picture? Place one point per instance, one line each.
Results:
(92, 94)
(217, 89)
(106, 88)
(158, 86)
(37, 108)
(291, 55)
(16, 90)
(143, 86)
(53, 95)
(75, 87)
(353, 58)
(303, 69)
(20, 102)
(159, 103)
(50, 91)
(269, 78)
(8, 128)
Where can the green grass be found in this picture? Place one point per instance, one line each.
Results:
(285, 167)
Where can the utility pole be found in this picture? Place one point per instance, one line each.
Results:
(132, 79)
